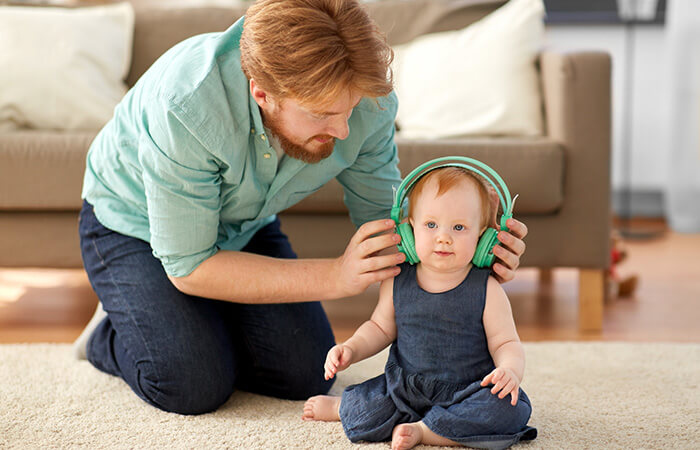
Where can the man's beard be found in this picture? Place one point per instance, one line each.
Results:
(299, 151)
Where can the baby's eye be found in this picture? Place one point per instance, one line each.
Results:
(431, 225)
(459, 227)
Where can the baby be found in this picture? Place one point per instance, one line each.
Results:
(456, 362)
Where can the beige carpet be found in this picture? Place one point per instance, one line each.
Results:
(584, 395)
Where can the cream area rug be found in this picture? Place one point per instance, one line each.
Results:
(584, 395)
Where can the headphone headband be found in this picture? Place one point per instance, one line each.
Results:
(462, 161)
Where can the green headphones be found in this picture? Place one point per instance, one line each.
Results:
(483, 256)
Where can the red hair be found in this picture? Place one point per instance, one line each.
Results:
(315, 50)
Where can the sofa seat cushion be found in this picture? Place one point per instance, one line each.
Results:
(42, 170)
(531, 167)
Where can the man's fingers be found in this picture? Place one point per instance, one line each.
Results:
(376, 263)
(517, 228)
(380, 275)
(502, 273)
(371, 228)
(510, 241)
(511, 261)
(375, 244)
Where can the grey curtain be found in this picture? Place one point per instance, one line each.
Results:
(683, 189)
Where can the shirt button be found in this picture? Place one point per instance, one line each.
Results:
(252, 131)
(267, 156)
(263, 137)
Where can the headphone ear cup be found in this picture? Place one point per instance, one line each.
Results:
(407, 246)
(483, 256)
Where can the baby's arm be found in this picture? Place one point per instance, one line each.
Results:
(370, 338)
(504, 344)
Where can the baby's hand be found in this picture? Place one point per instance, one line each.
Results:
(338, 359)
(505, 381)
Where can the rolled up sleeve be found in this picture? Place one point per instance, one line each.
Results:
(182, 186)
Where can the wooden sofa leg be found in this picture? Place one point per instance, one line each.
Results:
(546, 275)
(591, 292)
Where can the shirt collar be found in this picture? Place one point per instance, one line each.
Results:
(256, 118)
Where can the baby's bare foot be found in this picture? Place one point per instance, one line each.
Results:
(406, 435)
(322, 407)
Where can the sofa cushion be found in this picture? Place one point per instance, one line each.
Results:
(42, 169)
(480, 80)
(63, 68)
(519, 161)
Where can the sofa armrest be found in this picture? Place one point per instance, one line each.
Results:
(576, 91)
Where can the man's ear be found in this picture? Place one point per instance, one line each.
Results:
(263, 100)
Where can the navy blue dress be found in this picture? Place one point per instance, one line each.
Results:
(434, 372)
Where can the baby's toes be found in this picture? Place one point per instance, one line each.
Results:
(308, 413)
(405, 436)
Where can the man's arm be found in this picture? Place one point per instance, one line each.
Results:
(248, 278)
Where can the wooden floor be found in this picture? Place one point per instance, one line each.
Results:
(42, 305)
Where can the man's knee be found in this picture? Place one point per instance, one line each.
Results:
(305, 378)
(304, 386)
(193, 387)
(292, 383)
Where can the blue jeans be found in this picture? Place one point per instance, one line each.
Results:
(187, 354)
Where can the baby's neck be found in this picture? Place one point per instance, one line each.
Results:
(436, 281)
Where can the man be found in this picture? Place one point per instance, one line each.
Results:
(179, 234)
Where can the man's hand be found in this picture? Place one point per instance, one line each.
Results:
(338, 359)
(512, 246)
(505, 381)
(361, 264)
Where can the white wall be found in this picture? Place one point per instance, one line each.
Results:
(648, 132)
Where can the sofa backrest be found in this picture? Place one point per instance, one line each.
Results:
(158, 29)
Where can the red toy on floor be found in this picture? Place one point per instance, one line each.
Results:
(619, 286)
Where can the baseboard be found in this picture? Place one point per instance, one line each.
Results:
(638, 203)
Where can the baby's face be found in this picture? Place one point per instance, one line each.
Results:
(446, 228)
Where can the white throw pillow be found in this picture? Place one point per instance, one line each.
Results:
(478, 80)
(63, 68)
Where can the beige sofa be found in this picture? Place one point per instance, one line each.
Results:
(563, 177)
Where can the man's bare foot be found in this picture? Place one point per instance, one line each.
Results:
(322, 407)
(406, 435)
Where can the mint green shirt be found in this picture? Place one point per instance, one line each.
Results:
(185, 163)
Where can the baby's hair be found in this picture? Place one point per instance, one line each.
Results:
(449, 177)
